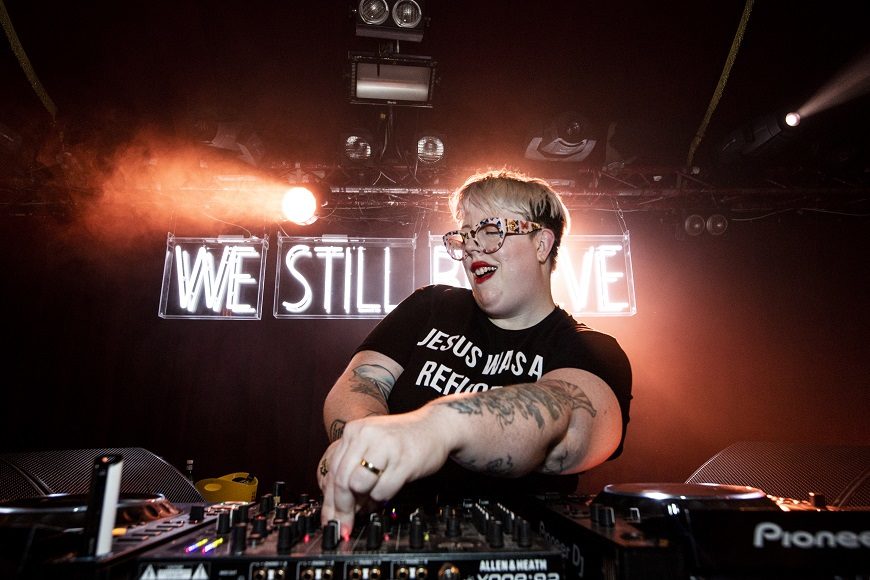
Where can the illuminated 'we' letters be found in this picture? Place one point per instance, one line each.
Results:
(201, 279)
(213, 278)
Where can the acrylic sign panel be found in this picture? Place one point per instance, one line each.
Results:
(593, 276)
(342, 277)
(213, 278)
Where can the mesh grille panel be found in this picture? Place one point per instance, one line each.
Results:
(13, 484)
(840, 472)
(69, 471)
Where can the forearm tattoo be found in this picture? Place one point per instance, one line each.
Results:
(374, 381)
(500, 466)
(556, 465)
(336, 429)
(527, 401)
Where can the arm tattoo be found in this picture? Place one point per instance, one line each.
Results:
(336, 430)
(374, 381)
(500, 466)
(528, 401)
(556, 465)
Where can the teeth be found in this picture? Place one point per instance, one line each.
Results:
(484, 270)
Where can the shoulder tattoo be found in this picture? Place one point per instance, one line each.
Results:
(374, 381)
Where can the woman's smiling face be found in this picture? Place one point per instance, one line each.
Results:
(508, 283)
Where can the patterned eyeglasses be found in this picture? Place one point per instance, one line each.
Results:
(489, 235)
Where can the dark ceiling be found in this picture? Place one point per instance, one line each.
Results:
(649, 77)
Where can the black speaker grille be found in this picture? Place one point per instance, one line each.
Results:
(69, 471)
(14, 484)
(840, 472)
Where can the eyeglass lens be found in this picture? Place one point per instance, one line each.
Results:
(488, 238)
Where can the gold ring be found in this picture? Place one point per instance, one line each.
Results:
(370, 467)
(324, 469)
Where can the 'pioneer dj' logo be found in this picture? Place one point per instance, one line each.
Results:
(771, 533)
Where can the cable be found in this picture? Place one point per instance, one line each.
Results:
(723, 78)
(25, 62)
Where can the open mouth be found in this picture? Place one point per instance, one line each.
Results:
(482, 271)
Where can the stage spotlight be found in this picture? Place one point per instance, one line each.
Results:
(390, 19)
(232, 136)
(430, 147)
(299, 206)
(764, 137)
(694, 225)
(357, 147)
(717, 224)
(566, 138)
(391, 80)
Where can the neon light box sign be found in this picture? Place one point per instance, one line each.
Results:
(213, 278)
(593, 276)
(344, 277)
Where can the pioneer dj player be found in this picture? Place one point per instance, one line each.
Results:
(45, 537)
(645, 531)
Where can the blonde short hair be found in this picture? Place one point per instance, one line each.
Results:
(532, 198)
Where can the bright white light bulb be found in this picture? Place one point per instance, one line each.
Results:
(299, 206)
(792, 119)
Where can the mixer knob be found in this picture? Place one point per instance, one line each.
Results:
(240, 515)
(239, 538)
(374, 535)
(223, 523)
(281, 511)
(523, 533)
(286, 538)
(267, 503)
(453, 525)
(260, 525)
(594, 512)
(311, 519)
(607, 517)
(331, 533)
(494, 533)
(197, 513)
(415, 537)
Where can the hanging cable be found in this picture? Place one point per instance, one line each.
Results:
(25, 62)
(723, 78)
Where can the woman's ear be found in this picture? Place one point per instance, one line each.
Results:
(546, 239)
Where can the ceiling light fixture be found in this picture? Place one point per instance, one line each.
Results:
(392, 80)
(357, 147)
(390, 19)
(430, 147)
(566, 138)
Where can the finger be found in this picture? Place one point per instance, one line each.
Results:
(327, 508)
(322, 471)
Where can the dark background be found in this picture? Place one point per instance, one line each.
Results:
(757, 334)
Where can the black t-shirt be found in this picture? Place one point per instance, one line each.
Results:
(446, 344)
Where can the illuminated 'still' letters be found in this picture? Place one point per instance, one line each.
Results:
(348, 264)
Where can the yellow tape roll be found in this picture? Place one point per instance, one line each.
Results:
(237, 486)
